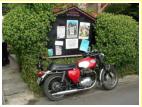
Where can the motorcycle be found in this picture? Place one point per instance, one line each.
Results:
(62, 79)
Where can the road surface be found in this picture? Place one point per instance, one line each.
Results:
(126, 93)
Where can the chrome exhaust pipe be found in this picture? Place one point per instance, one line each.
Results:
(74, 90)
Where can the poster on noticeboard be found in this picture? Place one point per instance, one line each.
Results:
(84, 29)
(84, 46)
(72, 29)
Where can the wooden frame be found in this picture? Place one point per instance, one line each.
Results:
(65, 56)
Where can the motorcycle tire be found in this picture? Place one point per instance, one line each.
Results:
(46, 86)
(105, 75)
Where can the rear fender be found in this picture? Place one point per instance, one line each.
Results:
(41, 79)
(47, 73)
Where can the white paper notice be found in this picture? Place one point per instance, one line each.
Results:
(60, 32)
(71, 43)
(58, 50)
(59, 43)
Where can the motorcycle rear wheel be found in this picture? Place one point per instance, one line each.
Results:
(109, 79)
(51, 83)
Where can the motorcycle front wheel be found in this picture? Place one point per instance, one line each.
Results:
(109, 79)
(54, 84)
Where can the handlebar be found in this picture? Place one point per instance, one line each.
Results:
(98, 55)
(93, 53)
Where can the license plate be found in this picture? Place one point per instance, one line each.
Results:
(38, 80)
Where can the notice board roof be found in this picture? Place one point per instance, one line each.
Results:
(74, 8)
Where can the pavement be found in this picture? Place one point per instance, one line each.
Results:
(126, 93)
(15, 91)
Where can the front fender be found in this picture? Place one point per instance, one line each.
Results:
(106, 68)
(101, 72)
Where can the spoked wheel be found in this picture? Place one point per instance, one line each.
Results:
(54, 84)
(109, 79)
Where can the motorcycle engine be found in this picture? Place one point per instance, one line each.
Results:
(86, 82)
(86, 71)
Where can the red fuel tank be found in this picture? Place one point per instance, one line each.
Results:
(74, 75)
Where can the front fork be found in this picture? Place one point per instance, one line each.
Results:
(105, 68)
(100, 74)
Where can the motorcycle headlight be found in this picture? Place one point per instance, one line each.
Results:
(102, 54)
(101, 57)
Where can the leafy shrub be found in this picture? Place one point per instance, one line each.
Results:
(117, 37)
(130, 9)
(25, 29)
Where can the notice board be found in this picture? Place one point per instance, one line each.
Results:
(71, 33)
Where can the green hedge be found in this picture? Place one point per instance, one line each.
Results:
(25, 29)
(117, 37)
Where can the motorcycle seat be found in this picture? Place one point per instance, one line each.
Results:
(62, 67)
